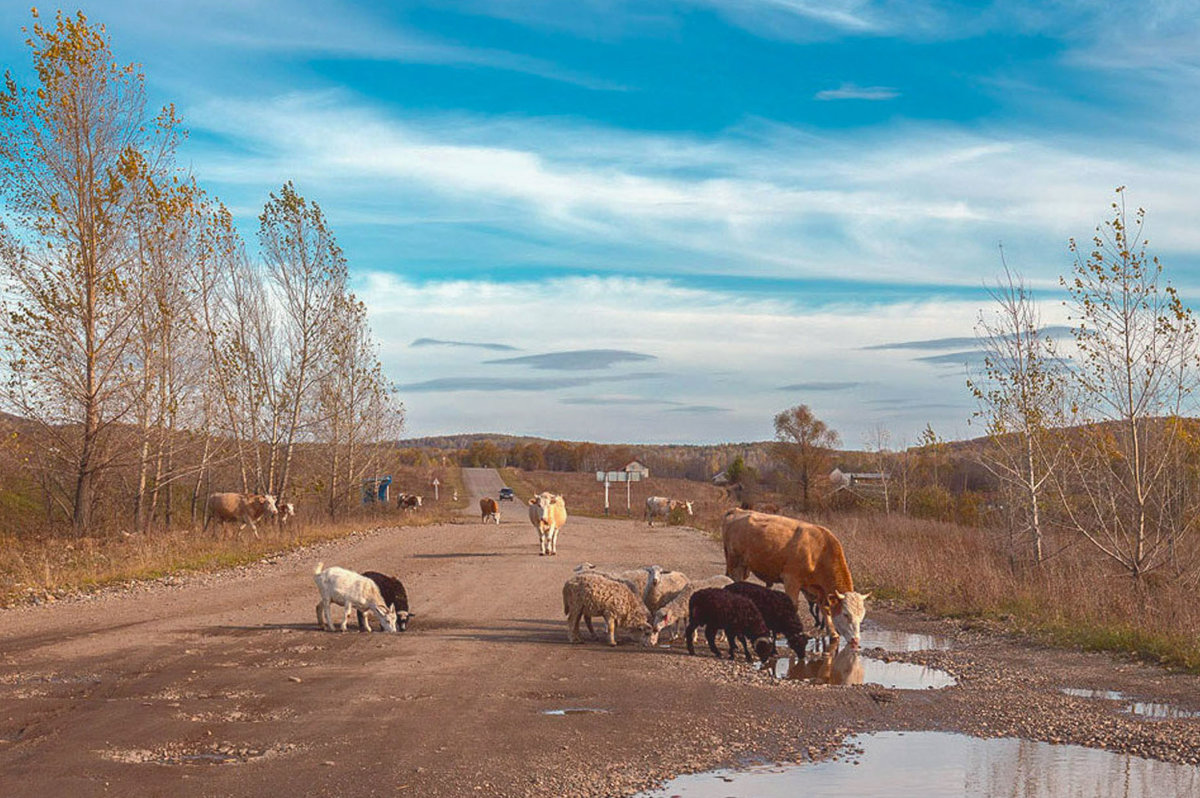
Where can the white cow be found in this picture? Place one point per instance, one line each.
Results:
(548, 513)
(662, 507)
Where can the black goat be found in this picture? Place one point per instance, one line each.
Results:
(394, 595)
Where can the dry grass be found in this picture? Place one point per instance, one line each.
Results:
(1074, 600)
(37, 567)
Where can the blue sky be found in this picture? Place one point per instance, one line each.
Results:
(683, 217)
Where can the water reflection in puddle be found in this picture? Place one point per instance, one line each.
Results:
(1146, 709)
(892, 640)
(850, 667)
(575, 711)
(942, 765)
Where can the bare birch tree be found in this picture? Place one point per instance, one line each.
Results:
(1021, 397)
(1136, 368)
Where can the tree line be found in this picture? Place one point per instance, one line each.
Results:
(157, 357)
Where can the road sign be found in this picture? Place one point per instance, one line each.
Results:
(609, 477)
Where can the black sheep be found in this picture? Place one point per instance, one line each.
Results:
(778, 611)
(394, 595)
(715, 608)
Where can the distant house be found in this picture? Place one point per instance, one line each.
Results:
(633, 466)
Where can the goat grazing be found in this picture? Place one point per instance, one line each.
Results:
(394, 596)
(350, 590)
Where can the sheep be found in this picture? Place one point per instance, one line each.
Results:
(394, 595)
(672, 616)
(640, 580)
(716, 608)
(778, 611)
(344, 587)
(588, 594)
(662, 589)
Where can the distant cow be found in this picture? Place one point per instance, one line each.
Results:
(408, 501)
(548, 513)
(287, 511)
(662, 507)
(245, 507)
(805, 557)
(489, 510)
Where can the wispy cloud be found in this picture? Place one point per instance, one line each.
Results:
(464, 344)
(445, 384)
(850, 91)
(1054, 331)
(699, 409)
(578, 360)
(820, 386)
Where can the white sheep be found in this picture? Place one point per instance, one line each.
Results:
(591, 594)
(664, 588)
(351, 591)
(672, 615)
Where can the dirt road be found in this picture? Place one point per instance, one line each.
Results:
(222, 684)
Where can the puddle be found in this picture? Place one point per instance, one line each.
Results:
(943, 765)
(892, 640)
(848, 667)
(575, 711)
(1146, 709)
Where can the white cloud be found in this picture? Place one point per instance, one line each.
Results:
(850, 91)
(721, 357)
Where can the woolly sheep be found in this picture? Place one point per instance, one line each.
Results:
(640, 580)
(717, 608)
(350, 590)
(589, 594)
(670, 618)
(661, 590)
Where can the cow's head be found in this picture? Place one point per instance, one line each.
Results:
(266, 504)
(849, 609)
(539, 506)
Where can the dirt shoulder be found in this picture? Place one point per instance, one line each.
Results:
(221, 684)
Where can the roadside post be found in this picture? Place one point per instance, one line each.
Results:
(609, 477)
(435, 483)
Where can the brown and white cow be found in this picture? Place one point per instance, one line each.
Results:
(408, 501)
(245, 507)
(548, 513)
(489, 510)
(805, 557)
(662, 507)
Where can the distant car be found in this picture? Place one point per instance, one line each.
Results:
(507, 495)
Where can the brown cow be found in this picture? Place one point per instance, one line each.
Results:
(489, 510)
(408, 501)
(244, 507)
(804, 557)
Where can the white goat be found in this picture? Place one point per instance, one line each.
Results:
(352, 591)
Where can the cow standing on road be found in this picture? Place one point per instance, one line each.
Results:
(489, 510)
(662, 507)
(548, 512)
(245, 507)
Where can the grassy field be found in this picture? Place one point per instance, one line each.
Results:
(46, 567)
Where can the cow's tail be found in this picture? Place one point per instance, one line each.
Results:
(318, 568)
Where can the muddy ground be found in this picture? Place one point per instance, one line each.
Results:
(222, 685)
